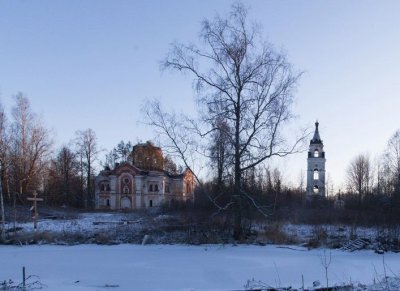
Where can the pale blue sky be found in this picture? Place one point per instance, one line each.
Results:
(92, 63)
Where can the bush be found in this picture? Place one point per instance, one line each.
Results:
(275, 234)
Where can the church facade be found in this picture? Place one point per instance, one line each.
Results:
(316, 166)
(129, 187)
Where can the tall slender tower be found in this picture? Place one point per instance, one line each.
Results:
(316, 166)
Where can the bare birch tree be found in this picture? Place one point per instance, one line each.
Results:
(65, 166)
(359, 177)
(88, 151)
(30, 146)
(392, 159)
(3, 156)
(244, 81)
(120, 153)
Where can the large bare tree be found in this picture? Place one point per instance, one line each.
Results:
(64, 170)
(88, 151)
(392, 159)
(30, 146)
(3, 161)
(359, 176)
(244, 81)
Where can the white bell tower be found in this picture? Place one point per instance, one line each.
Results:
(316, 166)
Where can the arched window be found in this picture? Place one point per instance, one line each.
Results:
(316, 174)
(126, 190)
(156, 187)
(104, 186)
(151, 188)
(315, 189)
(316, 154)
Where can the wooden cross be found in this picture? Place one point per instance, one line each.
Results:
(34, 199)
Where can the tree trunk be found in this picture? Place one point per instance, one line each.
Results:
(83, 194)
(88, 195)
(237, 226)
(237, 220)
(3, 217)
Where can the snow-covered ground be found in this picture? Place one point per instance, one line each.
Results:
(83, 222)
(181, 267)
(116, 224)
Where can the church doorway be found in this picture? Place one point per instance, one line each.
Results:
(126, 203)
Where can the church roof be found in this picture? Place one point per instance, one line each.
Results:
(120, 167)
(316, 138)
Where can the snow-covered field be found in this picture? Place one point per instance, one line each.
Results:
(83, 222)
(181, 267)
(119, 227)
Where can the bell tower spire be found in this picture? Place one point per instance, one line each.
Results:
(316, 166)
(316, 138)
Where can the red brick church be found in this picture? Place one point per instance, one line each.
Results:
(142, 182)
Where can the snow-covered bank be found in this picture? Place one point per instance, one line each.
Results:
(132, 227)
(179, 267)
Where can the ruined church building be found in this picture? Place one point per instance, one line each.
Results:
(142, 182)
